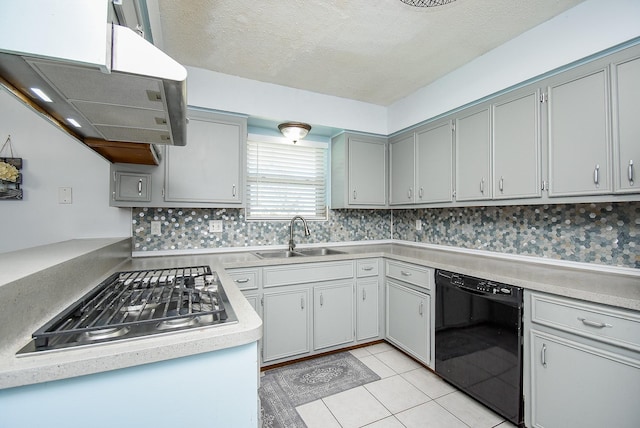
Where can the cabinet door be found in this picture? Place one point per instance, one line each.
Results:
(367, 172)
(367, 309)
(574, 385)
(286, 324)
(208, 168)
(434, 164)
(516, 148)
(627, 126)
(579, 142)
(408, 320)
(131, 186)
(402, 156)
(332, 314)
(473, 157)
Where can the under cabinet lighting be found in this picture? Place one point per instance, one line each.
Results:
(74, 122)
(40, 93)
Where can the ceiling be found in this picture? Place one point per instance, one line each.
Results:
(376, 51)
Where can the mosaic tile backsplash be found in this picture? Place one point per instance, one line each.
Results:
(188, 228)
(606, 233)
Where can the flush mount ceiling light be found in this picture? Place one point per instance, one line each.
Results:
(426, 3)
(294, 131)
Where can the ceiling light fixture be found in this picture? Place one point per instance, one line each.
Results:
(426, 3)
(294, 131)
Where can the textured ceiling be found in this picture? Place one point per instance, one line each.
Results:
(376, 51)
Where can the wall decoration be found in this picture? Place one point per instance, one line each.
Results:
(10, 175)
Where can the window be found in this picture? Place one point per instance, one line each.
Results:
(286, 179)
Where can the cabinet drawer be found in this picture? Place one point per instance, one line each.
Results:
(246, 279)
(367, 267)
(306, 273)
(609, 325)
(412, 274)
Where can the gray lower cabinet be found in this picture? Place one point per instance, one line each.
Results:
(367, 309)
(408, 319)
(367, 299)
(286, 317)
(626, 126)
(333, 314)
(581, 364)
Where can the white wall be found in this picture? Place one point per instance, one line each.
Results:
(51, 160)
(220, 91)
(583, 30)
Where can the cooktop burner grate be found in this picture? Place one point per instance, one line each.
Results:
(137, 303)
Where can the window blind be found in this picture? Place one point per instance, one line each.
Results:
(286, 179)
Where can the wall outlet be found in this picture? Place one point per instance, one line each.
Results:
(418, 224)
(215, 226)
(156, 228)
(64, 195)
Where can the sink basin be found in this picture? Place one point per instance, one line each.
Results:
(277, 254)
(319, 251)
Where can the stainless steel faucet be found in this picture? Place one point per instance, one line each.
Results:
(292, 245)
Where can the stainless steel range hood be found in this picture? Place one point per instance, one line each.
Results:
(113, 83)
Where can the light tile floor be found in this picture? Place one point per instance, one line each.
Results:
(406, 396)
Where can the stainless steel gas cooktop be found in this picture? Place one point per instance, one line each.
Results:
(138, 303)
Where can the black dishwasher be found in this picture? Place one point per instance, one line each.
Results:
(478, 340)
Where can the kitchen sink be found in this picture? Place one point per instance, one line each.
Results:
(276, 254)
(319, 252)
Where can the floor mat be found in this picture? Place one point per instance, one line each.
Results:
(284, 388)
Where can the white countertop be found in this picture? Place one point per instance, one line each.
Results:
(621, 289)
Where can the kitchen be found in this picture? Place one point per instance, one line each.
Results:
(39, 219)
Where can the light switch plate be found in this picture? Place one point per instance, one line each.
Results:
(64, 195)
(418, 224)
(156, 228)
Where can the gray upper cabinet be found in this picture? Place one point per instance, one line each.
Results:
(626, 125)
(473, 156)
(132, 186)
(422, 166)
(434, 164)
(579, 134)
(402, 159)
(210, 168)
(358, 171)
(516, 146)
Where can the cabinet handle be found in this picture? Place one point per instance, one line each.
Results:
(596, 175)
(595, 324)
(262, 301)
(420, 308)
(409, 192)
(321, 300)
(140, 187)
(367, 268)
(364, 294)
(421, 192)
(355, 195)
(501, 184)
(482, 186)
(543, 355)
(405, 273)
(233, 191)
(302, 303)
(242, 280)
(630, 171)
